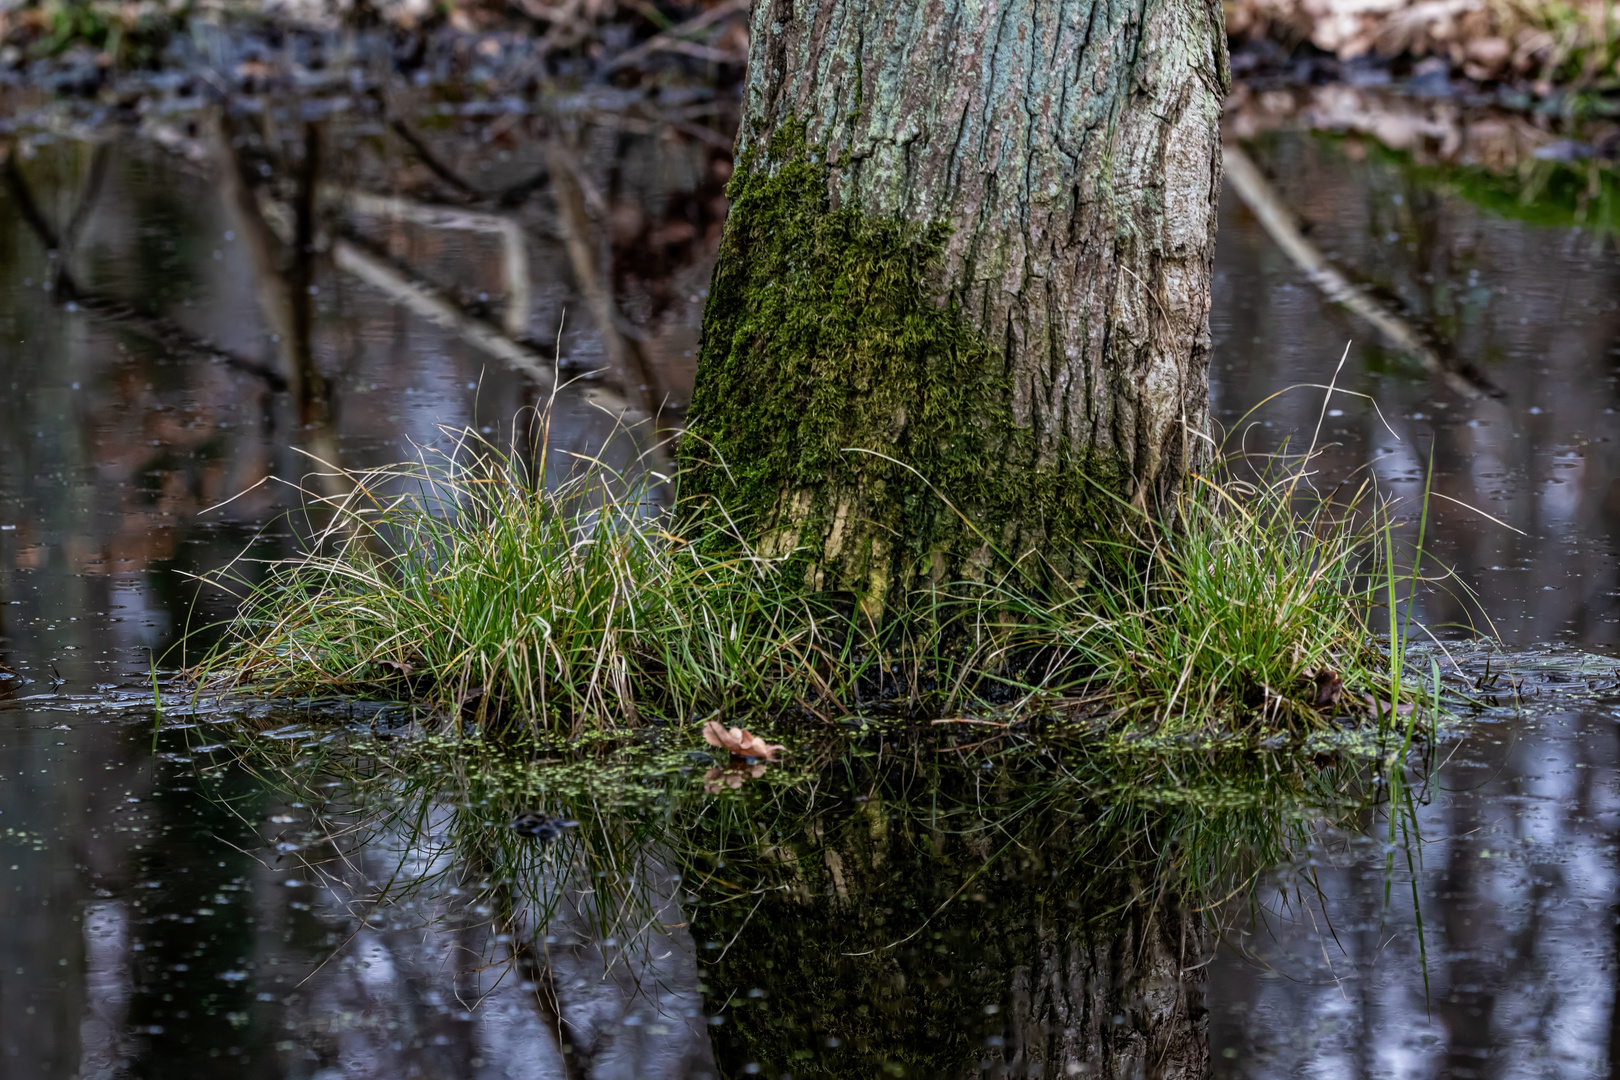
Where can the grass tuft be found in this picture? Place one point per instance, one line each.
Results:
(1246, 609)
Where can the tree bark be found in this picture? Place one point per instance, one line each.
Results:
(973, 237)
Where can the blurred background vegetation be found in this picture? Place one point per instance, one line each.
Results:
(1537, 47)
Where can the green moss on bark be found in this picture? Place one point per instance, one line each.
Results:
(842, 399)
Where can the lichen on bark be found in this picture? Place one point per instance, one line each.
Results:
(846, 413)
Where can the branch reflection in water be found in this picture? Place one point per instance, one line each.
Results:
(914, 902)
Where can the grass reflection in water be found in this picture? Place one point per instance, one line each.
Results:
(917, 900)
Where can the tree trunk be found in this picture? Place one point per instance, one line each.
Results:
(960, 314)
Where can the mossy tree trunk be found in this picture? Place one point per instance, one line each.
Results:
(968, 259)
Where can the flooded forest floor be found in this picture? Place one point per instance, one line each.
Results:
(280, 250)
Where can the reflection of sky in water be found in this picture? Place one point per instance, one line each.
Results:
(1517, 887)
(111, 449)
(1544, 459)
(1517, 884)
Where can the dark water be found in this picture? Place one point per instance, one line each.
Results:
(174, 907)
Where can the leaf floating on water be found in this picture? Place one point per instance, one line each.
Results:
(718, 779)
(741, 742)
(1389, 709)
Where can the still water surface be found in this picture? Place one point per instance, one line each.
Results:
(171, 906)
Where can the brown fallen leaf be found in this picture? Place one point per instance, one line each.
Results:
(1329, 688)
(741, 742)
(398, 666)
(1383, 706)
